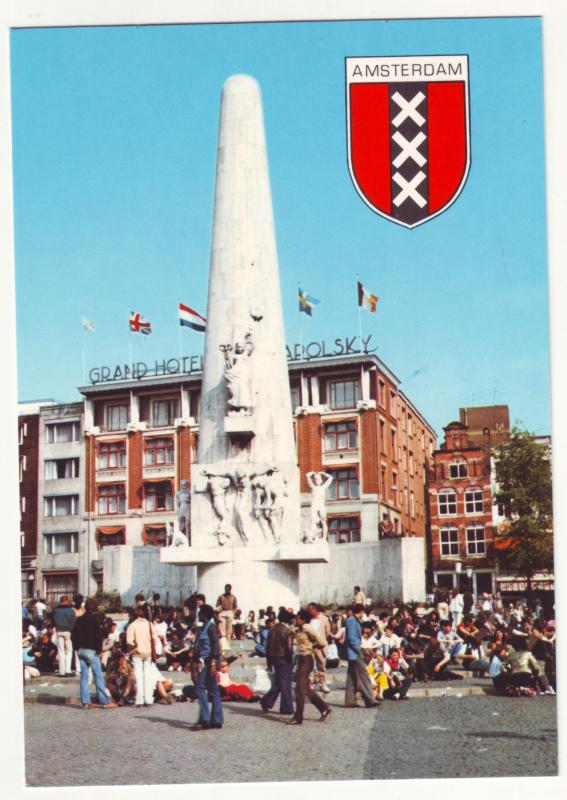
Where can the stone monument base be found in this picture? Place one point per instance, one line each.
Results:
(267, 576)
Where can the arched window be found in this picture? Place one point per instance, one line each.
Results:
(447, 501)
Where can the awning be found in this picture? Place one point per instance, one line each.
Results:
(111, 441)
(110, 530)
(155, 527)
(159, 480)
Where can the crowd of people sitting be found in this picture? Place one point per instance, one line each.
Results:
(386, 650)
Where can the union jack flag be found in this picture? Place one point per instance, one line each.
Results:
(138, 324)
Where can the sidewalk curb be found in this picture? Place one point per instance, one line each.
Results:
(413, 694)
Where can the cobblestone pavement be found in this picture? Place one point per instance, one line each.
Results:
(431, 738)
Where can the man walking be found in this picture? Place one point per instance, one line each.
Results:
(320, 623)
(87, 637)
(305, 638)
(279, 657)
(357, 674)
(64, 618)
(226, 606)
(207, 654)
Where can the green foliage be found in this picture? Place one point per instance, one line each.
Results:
(109, 602)
(524, 491)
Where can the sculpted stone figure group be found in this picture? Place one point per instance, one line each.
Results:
(259, 493)
(238, 376)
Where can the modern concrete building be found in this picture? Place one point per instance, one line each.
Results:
(61, 545)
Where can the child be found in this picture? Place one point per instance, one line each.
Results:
(233, 691)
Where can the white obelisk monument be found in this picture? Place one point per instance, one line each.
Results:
(245, 506)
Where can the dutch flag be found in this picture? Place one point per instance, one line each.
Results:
(190, 318)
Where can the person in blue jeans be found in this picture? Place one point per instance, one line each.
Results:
(207, 654)
(87, 638)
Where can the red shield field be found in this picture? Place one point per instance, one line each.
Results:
(408, 133)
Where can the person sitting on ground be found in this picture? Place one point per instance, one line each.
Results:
(397, 672)
(238, 625)
(524, 673)
(250, 626)
(45, 654)
(369, 640)
(388, 640)
(120, 680)
(233, 691)
(451, 643)
(499, 669)
(176, 653)
(374, 665)
(436, 661)
(262, 638)
(108, 643)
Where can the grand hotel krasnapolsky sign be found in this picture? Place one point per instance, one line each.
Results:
(188, 365)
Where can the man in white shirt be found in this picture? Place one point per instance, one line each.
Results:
(456, 607)
(388, 640)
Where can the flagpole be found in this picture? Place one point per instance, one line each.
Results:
(130, 362)
(359, 316)
(179, 337)
(300, 325)
(83, 355)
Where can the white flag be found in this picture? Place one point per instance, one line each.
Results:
(88, 325)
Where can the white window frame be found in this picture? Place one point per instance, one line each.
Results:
(50, 504)
(458, 467)
(52, 428)
(472, 546)
(49, 540)
(445, 494)
(75, 470)
(449, 545)
(477, 505)
(346, 403)
(109, 423)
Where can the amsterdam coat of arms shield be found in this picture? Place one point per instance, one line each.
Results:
(408, 133)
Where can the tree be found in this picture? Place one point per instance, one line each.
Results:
(524, 493)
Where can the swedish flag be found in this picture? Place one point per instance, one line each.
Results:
(306, 302)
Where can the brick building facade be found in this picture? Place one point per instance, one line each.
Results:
(460, 491)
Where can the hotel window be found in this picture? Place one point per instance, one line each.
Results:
(473, 501)
(345, 485)
(476, 541)
(105, 537)
(449, 541)
(344, 530)
(458, 470)
(410, 456)
(112, 498)
(155, 535)
(295, 393)
(395, 488)
(158, 496)
(57, 468)
(62, 505)
(55, 585)
(22, 467)
(164, 413)
(382, 436)
(57, 432)
(22, 431)
(412, 504)
(344, 394)
(111, 455)
(410, 425)
(341, 435)
(116, 417)
(447, 500)
(55, 543)
(158, 451)
(393, 404)
(23, 504)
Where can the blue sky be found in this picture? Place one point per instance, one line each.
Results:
(114, 142)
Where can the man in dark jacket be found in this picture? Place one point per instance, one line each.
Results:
(64, 618)
(207, 657)
(279, 655)
(87, 639)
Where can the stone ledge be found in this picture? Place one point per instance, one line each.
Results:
(313, 553)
